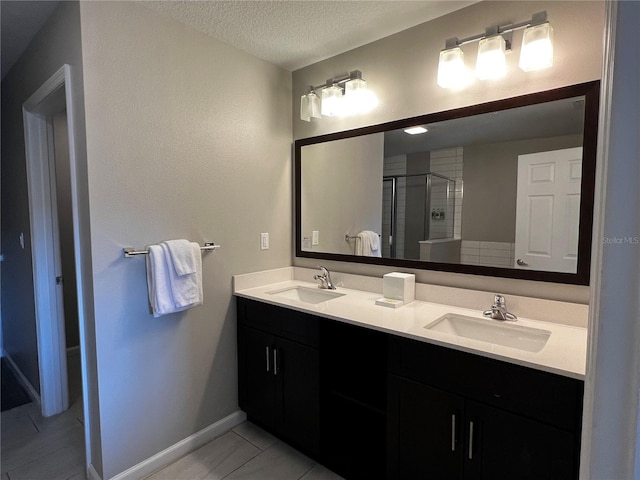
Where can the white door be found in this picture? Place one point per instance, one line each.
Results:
(57, 266)
(548, 210)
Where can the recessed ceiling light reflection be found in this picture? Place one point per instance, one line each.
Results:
(415, 130)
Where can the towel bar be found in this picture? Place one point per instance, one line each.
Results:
(348, 237)
(132, 252)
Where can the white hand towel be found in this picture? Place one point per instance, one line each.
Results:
(160, 297)
(169, 292)
(369, 244)
(182, 256)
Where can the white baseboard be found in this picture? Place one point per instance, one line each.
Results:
(92, 474)
(182, 448)
(33, 394)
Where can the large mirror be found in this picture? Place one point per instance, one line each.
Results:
(503, 189)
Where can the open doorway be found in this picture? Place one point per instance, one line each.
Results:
(61, 189)
(54, 219)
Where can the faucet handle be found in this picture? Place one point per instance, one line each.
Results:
(499, 300)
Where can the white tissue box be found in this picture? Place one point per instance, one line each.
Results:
(399, 286)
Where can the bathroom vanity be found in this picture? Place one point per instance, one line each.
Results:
(371, 393)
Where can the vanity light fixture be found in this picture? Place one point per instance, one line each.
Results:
(536, 52)
(341, 96)
(415, 130)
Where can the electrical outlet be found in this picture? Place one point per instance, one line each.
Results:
(264, 241)
(314, 237)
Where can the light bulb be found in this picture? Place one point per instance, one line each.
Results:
(537, 48)
(452, 72)
(332, 102)
(358, 98)
(309, 106)
(491, 62)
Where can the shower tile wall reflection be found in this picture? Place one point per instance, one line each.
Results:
(448, 163)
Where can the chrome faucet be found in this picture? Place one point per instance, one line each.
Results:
(499, 311)
(325, 279)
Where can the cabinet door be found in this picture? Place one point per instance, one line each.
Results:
(507, 446)
(427, 442)
(296, 369)
(256, 382)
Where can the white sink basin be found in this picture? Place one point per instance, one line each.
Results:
(306, 294)
(492, 331)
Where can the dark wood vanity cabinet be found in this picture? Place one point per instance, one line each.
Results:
(371, 405)
(460, 416)
(353, 400)
(278, 372)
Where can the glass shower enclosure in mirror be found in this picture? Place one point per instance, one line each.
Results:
(503, 188)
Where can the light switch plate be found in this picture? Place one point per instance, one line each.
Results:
(264, 241)
(315, 237)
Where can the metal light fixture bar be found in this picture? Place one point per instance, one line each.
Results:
(536, 19)
(341, 80)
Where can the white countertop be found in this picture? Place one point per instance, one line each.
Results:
(564, 353)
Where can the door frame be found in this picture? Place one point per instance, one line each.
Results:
(49, 325)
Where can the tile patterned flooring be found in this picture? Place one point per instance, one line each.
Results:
(38, 448)
(245, 453)
(34, 447)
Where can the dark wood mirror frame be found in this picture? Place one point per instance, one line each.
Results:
(591, 92)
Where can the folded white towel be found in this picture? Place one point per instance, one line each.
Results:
(169, 292)
(368, 244)
(182, 256)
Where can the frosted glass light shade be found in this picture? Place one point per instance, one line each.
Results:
(537, 48)
(332, 104)
(491, 62)
(358, 98)
(451, 70)
(309, 107)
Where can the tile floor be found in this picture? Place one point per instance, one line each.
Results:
(34, 447)
(245, 453)
(38, 448)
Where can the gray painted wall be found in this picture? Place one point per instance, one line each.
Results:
(333, 210)
(490, 185)
(578, 47)
(186, 138)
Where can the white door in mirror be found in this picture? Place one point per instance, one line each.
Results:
(548, 210)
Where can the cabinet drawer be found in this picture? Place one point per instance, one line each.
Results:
(543, 396)
(296, 326)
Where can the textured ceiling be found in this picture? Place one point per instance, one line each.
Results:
(297, 33)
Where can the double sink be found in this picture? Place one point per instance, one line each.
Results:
(523, 338)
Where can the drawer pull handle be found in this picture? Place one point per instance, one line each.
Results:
(453, 432)
(268, 366)
(470, 440)
(275, 361)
